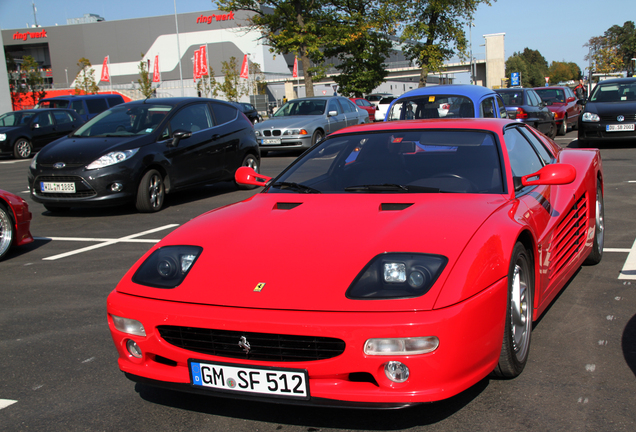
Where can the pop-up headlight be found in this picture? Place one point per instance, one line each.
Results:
(167, 267)
(397, 275)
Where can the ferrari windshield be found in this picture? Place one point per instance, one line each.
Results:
(432, 106)
(414, 161)
(614, 92)
(302, 107)
(125, 121)
(16, 118)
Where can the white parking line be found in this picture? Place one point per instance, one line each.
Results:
(104, 242)
(629, 268)
(6, 402)
(12, 161)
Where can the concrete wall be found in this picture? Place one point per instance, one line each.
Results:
(5, 94)
(495, 59)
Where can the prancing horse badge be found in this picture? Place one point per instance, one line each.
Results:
(259, 287)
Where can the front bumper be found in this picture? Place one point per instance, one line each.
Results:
(470, 335)
(93, 187)
(297, 142)
(597, 131)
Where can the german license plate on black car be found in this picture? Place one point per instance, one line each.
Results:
(57, 187)
(287, 383)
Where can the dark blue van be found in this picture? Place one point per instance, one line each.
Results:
(87, 106)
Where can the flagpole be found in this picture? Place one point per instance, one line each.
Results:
(109, 77)
(176, 23)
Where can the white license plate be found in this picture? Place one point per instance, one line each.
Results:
(271, 141)
(288, 383)
(57, 187)
(619, 127)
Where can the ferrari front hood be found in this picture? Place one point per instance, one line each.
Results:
(304, 250)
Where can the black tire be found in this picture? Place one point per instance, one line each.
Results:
(251, 161)
(151, 192)
(317, 136)
(7, 231)
(563, 129)
(518, 326)
(599, 229)
(22, 148)
(553, 130)
(56, 209)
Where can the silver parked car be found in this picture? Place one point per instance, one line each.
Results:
(301, 123)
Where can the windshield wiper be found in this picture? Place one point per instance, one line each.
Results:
(390, 187)
(295, 186)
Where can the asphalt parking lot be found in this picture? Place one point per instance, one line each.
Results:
(58, 366)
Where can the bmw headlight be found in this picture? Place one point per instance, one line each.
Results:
(257, 133)
(3, 137)
(167, 267)
(590, 117)
(112, 158)
(295, 132)
(397, 275)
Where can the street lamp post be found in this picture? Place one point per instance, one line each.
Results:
(66, 73)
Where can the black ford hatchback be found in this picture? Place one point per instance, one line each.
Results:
(609, 114)
(140, 151)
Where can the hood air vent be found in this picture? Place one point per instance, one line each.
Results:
(394, 206)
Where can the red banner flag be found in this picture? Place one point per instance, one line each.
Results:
(295, 72)
(105, 73)
(245, 68)
(197, 65)
(156, 76)
(203, 58)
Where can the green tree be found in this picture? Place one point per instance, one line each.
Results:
(85, 79)
(562, 71)
(207, 85)
(359, 40)
(532, 65)
(15, 83)
(614, 50)
(290, 27)
(231, 84)
(516, 63)
(145, 82)
(34, 81)
(434, 31)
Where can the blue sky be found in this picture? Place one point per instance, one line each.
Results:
(557, 29)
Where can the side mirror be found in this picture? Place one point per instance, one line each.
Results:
(571, 99)
(178, 135)
(332, 113)
(35, 126)
(247, 176)
(554, 174)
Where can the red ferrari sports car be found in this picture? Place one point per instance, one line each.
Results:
(15, 219)
(402, 263)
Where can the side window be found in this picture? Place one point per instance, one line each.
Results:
(523, 158)
(333, 106)
(223, 113)
(346, 107)
(95, 106)
(62, 117)
(487, 108)
(112, 101)
(43, 119)
(538, 145)
(192, 118)
(536, 100)
(502, 107)
(78, 107)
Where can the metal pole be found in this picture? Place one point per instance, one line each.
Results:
(176, 23)
(66, 73)
(470, 38)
